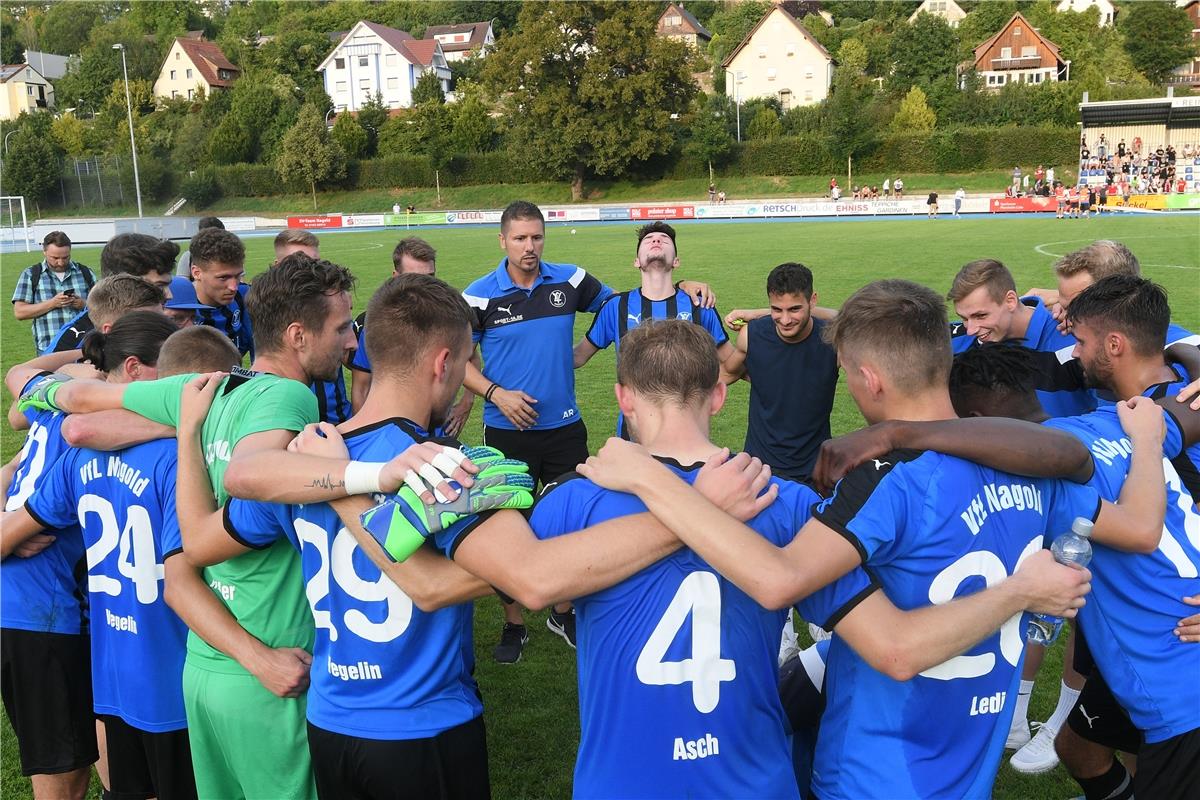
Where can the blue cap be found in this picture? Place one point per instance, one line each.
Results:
(183, 295)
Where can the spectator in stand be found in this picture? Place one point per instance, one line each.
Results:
(1050, 176)
(1039, 174)
(721, 197)
(1016, 176)
(959, 196)
(833, 184)
(874, 192)
(931, 201)
(898, 187)
(835, 193)
(184, 267)
(53, 291)
(712, 193)
(1187, 149)
(1121, 150)
(1137, 145)
(887, 186)
(1102, 148)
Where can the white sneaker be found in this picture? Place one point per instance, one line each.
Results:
(1018, 735)
(1038, 756)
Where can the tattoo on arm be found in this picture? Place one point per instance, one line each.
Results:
(326, 481)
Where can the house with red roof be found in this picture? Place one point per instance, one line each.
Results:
(192, 67)
(1017, 53)
(463, 40)
(375, 58)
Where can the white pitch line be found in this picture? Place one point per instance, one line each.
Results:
(1040, 249)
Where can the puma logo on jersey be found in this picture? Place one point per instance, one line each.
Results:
(881, 464)
(636, 319)
(991, 704)
(691, 749)
(1090, 720)
(75, 331)
(506, 309)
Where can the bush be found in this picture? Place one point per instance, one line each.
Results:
(201, 188)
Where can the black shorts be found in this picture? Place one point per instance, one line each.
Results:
(549, 453)
(46, 684)
(143, 764)
(449, 766)
(1170, 769)
(1099, 718)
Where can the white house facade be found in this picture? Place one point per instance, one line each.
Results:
(946, 9)
(460, 41)
(23, 89)
(1108, 12)
(779, 59)
(375, 58)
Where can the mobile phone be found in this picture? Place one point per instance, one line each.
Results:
(69, 292)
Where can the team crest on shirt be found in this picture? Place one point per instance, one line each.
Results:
(684, 315)
(236, 316)
(558, 298)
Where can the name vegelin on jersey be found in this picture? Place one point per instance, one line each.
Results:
(1000, 497)
(362, 671)
(127, 623)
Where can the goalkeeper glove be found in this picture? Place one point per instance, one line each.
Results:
(402, 522)
(39, 394)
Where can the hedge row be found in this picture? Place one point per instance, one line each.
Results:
(952, 150)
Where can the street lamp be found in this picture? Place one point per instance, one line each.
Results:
(137, 182)
(10, 133)
(737, 100)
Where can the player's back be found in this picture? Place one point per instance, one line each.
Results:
(382, 668)
(42, 593)
(125, 502)
(1137, 598)
(677, 675)
(929, 528)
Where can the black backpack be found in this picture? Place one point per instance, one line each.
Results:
(35, 277)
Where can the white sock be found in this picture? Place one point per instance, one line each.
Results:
(1021, 714)
(1066, 701)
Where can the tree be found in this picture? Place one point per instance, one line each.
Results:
(765, 124)
(472, 129)
(65, 27)
(307, 155)
(852, 55)
(914, 114)
(68, 133)
(922, 52)
(372, 115)
(348, 133)
(32, 165)
(1158, 38)
(428, 89)
(10, 48)
(847, 125)
(589, 87)
(710, 139)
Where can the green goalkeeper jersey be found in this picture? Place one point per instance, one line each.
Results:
(263, 589)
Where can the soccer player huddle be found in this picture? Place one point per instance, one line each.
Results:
(223, 582)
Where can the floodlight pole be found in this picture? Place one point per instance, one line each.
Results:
(137, 182)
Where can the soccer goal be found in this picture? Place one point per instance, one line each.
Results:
(10, 232)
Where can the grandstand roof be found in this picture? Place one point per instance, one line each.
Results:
(1180, 112)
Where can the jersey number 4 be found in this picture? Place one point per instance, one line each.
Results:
(136, 559)
(699, 596)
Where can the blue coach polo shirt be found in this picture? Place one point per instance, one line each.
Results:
(1060, 382)
(526, 336)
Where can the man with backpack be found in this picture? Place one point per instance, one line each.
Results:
(52, 291)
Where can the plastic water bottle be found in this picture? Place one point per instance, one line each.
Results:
(1072, 547)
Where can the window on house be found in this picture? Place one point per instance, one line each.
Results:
(362, 61)
(339, 63)
(808, 73)
(389, 60)
(28, 89)
(1028, 51)
(172, 74)
(1006, 52)
(364, 83)
(174, 94)
(771, 73)
(340, 86)
(791, 49)
(176, 55)
(675, 21)
(808, 95)
(393, 83)
(785, 99)
(191, 94)
(762, 52)
(1017, 31)
(187, 73)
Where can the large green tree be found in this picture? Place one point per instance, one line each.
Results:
(588, 87)
(348, 133)
(921, 52)
(32, 164)
(307, 155)
(1158, 38)
(65, 27)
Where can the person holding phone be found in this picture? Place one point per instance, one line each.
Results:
(53, 291)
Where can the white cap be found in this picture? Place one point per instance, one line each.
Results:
(1082, 526)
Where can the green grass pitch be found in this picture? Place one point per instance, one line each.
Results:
(531, 712)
